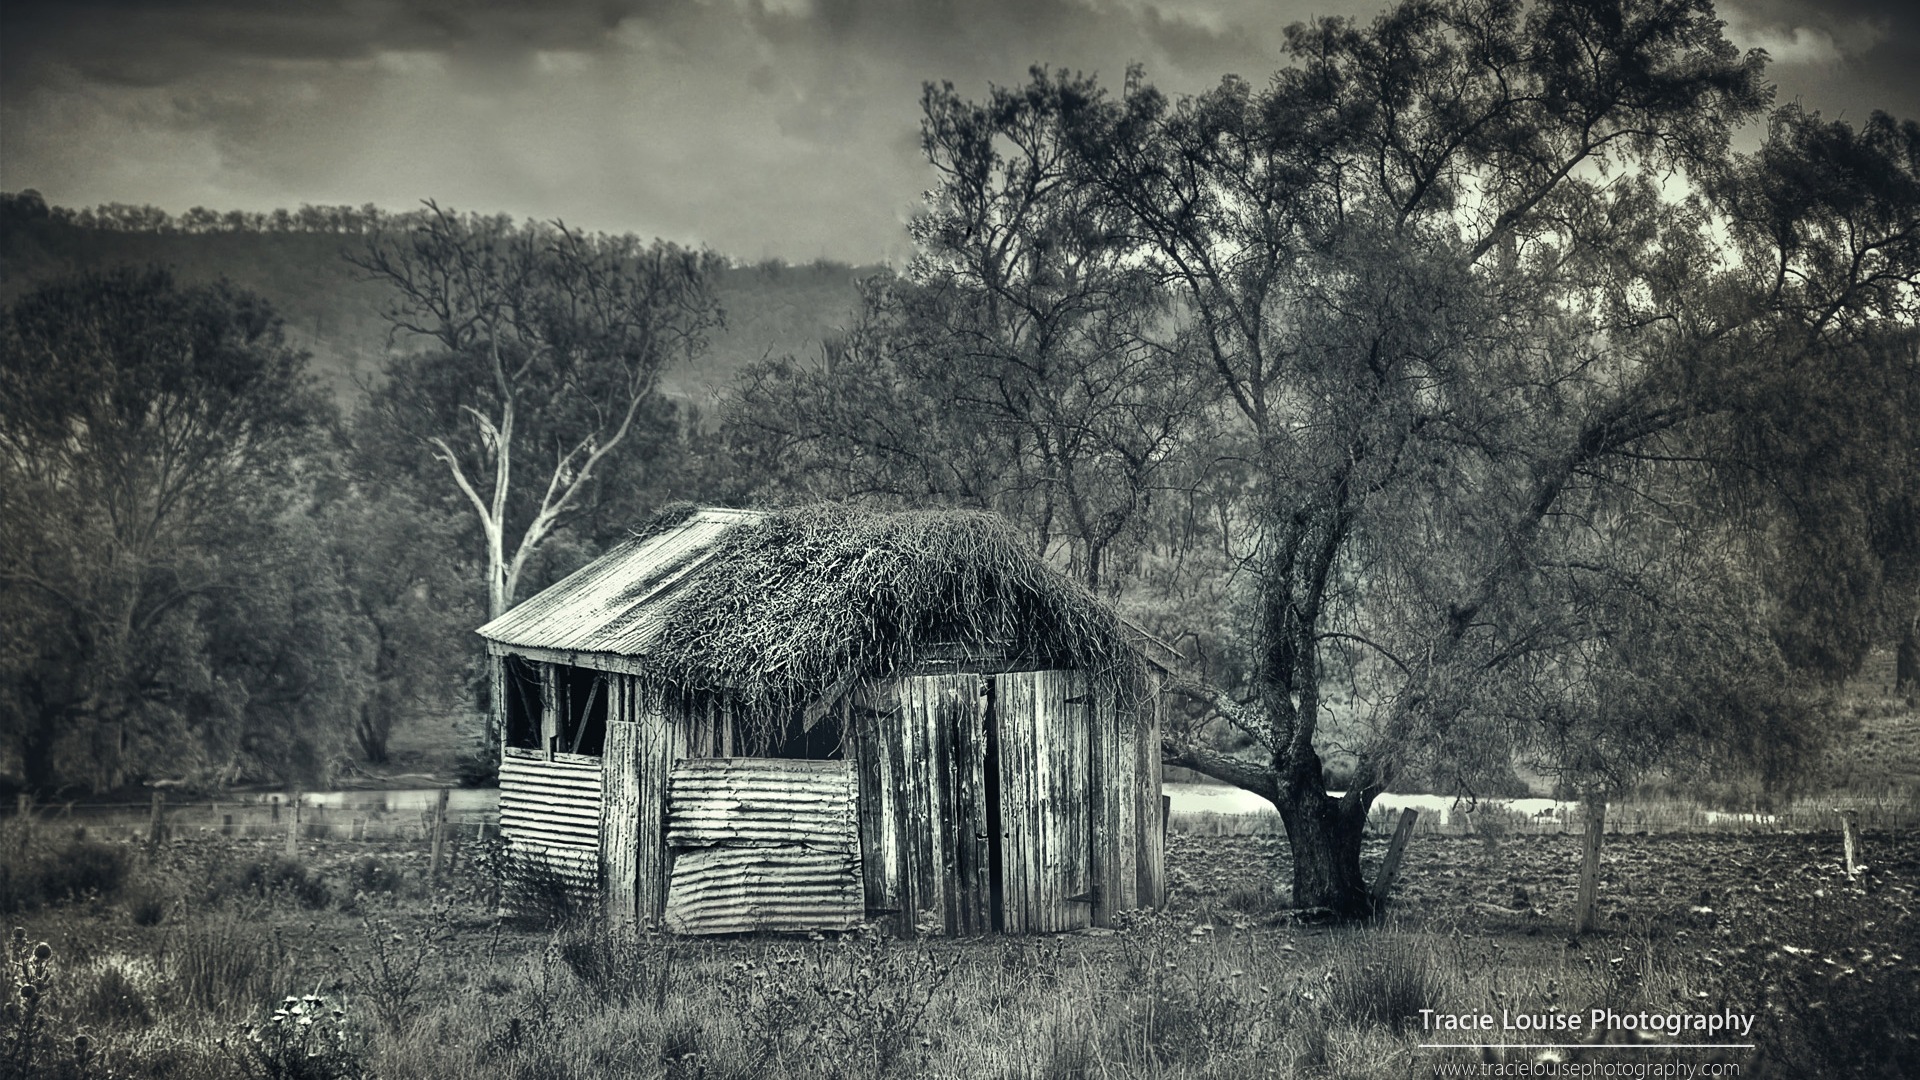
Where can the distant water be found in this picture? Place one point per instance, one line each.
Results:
(398, 799)
(1221, 799)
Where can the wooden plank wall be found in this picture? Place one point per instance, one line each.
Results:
(1114, 749)
(620, 788)
(1079, 802)
(920, 749)
(1150, 859)
(1046, 800)
(550, 812)
(763, 844)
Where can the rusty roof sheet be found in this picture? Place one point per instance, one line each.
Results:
(617, 603)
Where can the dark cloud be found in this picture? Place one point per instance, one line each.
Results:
(1844, 58)
(763, 127)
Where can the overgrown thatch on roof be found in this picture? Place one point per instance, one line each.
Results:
(797, 606)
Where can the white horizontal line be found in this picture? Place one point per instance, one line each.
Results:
(1584, 1046)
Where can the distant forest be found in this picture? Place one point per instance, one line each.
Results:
(278, 620)
(293, 259)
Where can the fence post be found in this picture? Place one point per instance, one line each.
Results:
(1586, 906)
(153, 820)
(1850, 841)
(439, 835)
(1390, 866)
(293, 827)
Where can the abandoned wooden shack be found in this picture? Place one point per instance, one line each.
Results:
(817, 718)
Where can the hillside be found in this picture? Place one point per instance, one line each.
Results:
(771, 308)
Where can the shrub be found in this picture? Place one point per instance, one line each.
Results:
(147, 906)
(1184, 1000)
(532, 889)
(24, 1037)
(223, 960)
(73, 868)
(110, 997)
(272, 879)
(1390, 986)
(369, 875)
(388, 971)
(853, 1008)
(306, 1038)
(618, 967)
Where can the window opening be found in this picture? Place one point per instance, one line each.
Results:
(520, 686)
(824, 741)
(580, 698)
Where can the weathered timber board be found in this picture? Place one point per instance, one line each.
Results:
(1045, 800)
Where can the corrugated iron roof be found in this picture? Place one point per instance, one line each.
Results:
(617, 603)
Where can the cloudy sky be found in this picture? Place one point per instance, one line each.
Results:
(761, 127)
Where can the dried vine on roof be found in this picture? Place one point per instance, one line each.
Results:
(794, 608)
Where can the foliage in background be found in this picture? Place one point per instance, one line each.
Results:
(543, 353)
(1485, 355)
(164, 612)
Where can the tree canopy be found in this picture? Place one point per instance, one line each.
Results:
(160, 614)
(1510, 388)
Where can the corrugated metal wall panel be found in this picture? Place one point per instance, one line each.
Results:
(550, 813)
(762, 844)
(721, 890)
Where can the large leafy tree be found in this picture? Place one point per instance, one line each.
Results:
(1009, 368)
(536, 376)
(1490, 303)
(149, 444)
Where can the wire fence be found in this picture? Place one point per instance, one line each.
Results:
(370, 816)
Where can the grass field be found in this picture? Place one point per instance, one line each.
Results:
(217, 957)
(183, 965)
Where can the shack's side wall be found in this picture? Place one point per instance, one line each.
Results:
(1076, 802)
(1149, 826)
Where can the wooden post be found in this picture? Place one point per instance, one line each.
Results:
(293, 827)
(1586, 906)
(276, 809)
(1390, 866)
(23, 806)
(153, 820)
(439, 836)
(1850, 841)
(359, 829)
(226, 824)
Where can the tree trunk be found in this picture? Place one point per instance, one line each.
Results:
(1906, 662)
(1324, 835)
